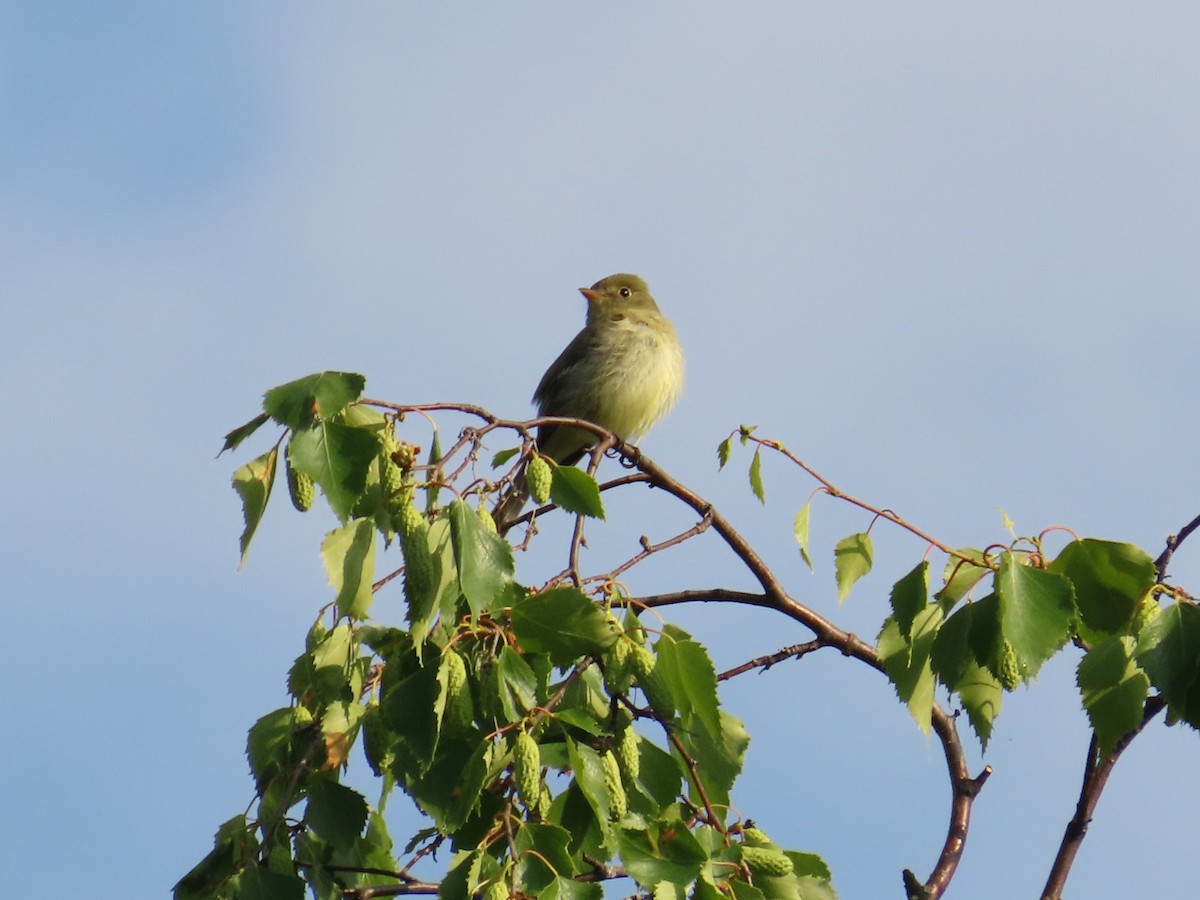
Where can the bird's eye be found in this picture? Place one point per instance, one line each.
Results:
(624, 292)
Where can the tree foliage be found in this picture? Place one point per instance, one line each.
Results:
(559, 736)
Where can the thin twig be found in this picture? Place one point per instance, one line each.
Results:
(795, 651)
(356, 870)
(391, 890)
(649, 549)
(1173, 542)
(837, 492)
(713, 819)
(577, 539)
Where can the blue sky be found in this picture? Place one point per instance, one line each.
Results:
(945, 252)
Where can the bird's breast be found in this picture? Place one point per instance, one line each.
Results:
(644, 377)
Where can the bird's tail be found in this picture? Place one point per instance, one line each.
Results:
(509, 508)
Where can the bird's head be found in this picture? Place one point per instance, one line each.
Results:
(617, 294)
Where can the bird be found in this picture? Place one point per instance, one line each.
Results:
(623, 371)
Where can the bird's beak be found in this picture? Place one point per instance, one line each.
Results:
(592, 296)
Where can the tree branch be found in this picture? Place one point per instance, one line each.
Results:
(1095, 778)
(964, 790)
(1173, 542)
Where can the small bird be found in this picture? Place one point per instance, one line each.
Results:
(623, 372)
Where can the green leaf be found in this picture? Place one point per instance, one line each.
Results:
(315, 398)
(906, 661)
(319, 854)
(332, 665)
(340, 724)
(657, 689)
(372, 851)
(278, 741)
(812, 876)
(784, 887)
(1037, 612)
(573, 812)
(543, 854)
(716, 844)
(1114, 690)
(276, 853)
(812, 888)
(338, 458)
(909, 596)
(743, 890)
(239, 434)
(719, 756)
(575, 491)
(800, 530)
(451, 789)
(377, 832)
(433, 488)
(589, 776)
(441, 545)
(562, 622)
(257, 883)
(583, 719)
(253, 483)
(951, 655)
(384, 640)
(447, 664)
(968, 638)
(458, 882)
(723, 450)
(981, 697)
(756, 483)
(692, 680)
(335, 812)
(705, 888)
(1110, 580)
(427, 551)
(852, 560)
(504, 456)
(723, 860)
(663, 851)
(377, 740)
(1169, 651)
(365, 417)
(666, 890)
(409, 710)
(232, 846)
(809, 864)
(661, 777)
(570, 889)
(517, 685)
(348, 554)
(960, 576)
(484, 559)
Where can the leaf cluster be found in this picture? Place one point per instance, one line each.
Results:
(550, 737)
(1097, 595)
(1000, 614)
